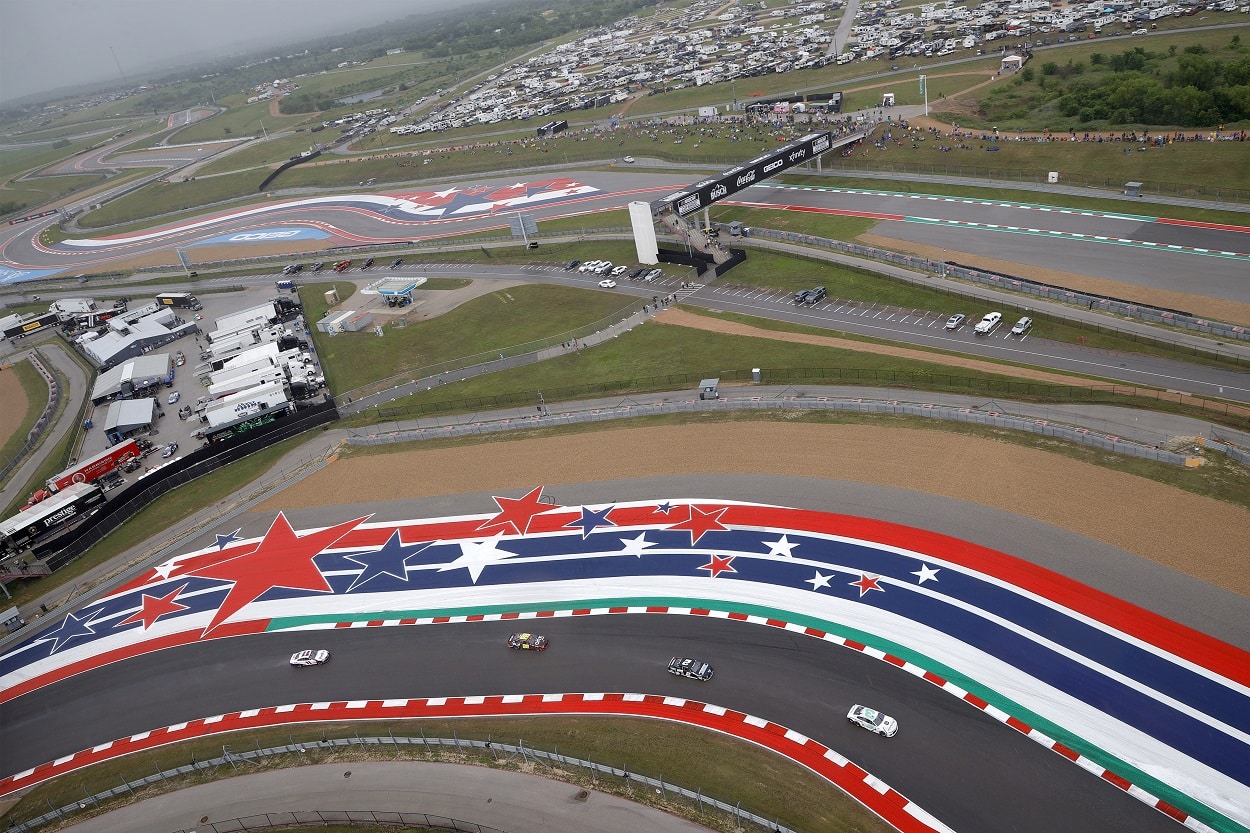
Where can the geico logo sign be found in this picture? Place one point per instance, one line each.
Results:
(718, 192)
(772, 166)
(263, 235)
(689, 204)
(820, 145)
(745, 179)
(67, 512)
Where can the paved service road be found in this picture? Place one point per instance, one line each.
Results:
(509, 801)
(803, 683)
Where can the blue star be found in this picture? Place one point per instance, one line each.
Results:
(72, 628)
(387, 561)
(591, 519)
(224, 540)
(664, 508)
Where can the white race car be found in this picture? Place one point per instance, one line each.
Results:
(306, 658)
(873, 721)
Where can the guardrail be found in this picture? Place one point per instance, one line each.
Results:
(499, 754)
(1024, 286)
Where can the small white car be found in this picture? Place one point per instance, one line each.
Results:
(618, 271)
(652, 275)
(303, 659)
(608, 284)
(628, 160)
(873, 721)
(1022, 326)
(589, 266)
(174, 397)
(988, 324)
(956, 321)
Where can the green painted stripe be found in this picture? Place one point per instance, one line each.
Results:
(1055, 209)
(1141, 779)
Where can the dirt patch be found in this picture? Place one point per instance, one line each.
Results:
(1230, 311)
(13, 403)
(1203, 537)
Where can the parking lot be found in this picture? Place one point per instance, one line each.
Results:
(169, 428)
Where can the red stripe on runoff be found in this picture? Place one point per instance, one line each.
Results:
(1169, 221)
(851, 779)
(1226, 660)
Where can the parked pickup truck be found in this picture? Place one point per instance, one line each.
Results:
(989, 323)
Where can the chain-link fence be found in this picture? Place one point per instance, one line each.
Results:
(616, 779)
(553, 415)
(340, 818)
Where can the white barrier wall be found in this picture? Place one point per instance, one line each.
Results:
(644, 233)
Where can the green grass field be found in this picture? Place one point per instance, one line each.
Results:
(36, 390)
(484, 326)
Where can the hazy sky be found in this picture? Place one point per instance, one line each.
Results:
(47, 44)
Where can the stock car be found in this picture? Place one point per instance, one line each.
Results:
(303, 659)
(527, 642)
(873, 721)
(695, 669)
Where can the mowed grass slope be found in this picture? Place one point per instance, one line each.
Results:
(487, 325)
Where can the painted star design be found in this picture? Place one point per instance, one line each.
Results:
(388, 561)
(517, 512)
(782, 546)
(72, 628)
(866, 582)
(720, 564)
(925, 573)
(636, 546)
(700, 522)
(664, 508)
(281, 559)
(477, 556)
(819, 580)
(225, 540)
(154, 608)
(591, 520)
(447, 193)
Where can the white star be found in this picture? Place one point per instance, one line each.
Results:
(781, 546)
(635, 546)
(818, 581)
(447, 193)
(477, 557)
(925, 573)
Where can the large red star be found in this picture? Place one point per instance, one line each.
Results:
(700, 522)
(517, 512)
(154, 608)
(282, 559)
(866, 582)
(720, 564)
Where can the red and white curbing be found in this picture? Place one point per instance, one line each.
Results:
(865, 788)
(915, 670)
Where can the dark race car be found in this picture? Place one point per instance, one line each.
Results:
(527, 642)
(693, 668)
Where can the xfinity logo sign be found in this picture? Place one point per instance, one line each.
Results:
(690, 203)
(797, 154)
(264, 235)
(745, 179)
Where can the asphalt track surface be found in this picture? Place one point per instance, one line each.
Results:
(1050, 244)
(801, 682)
(954, 761)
